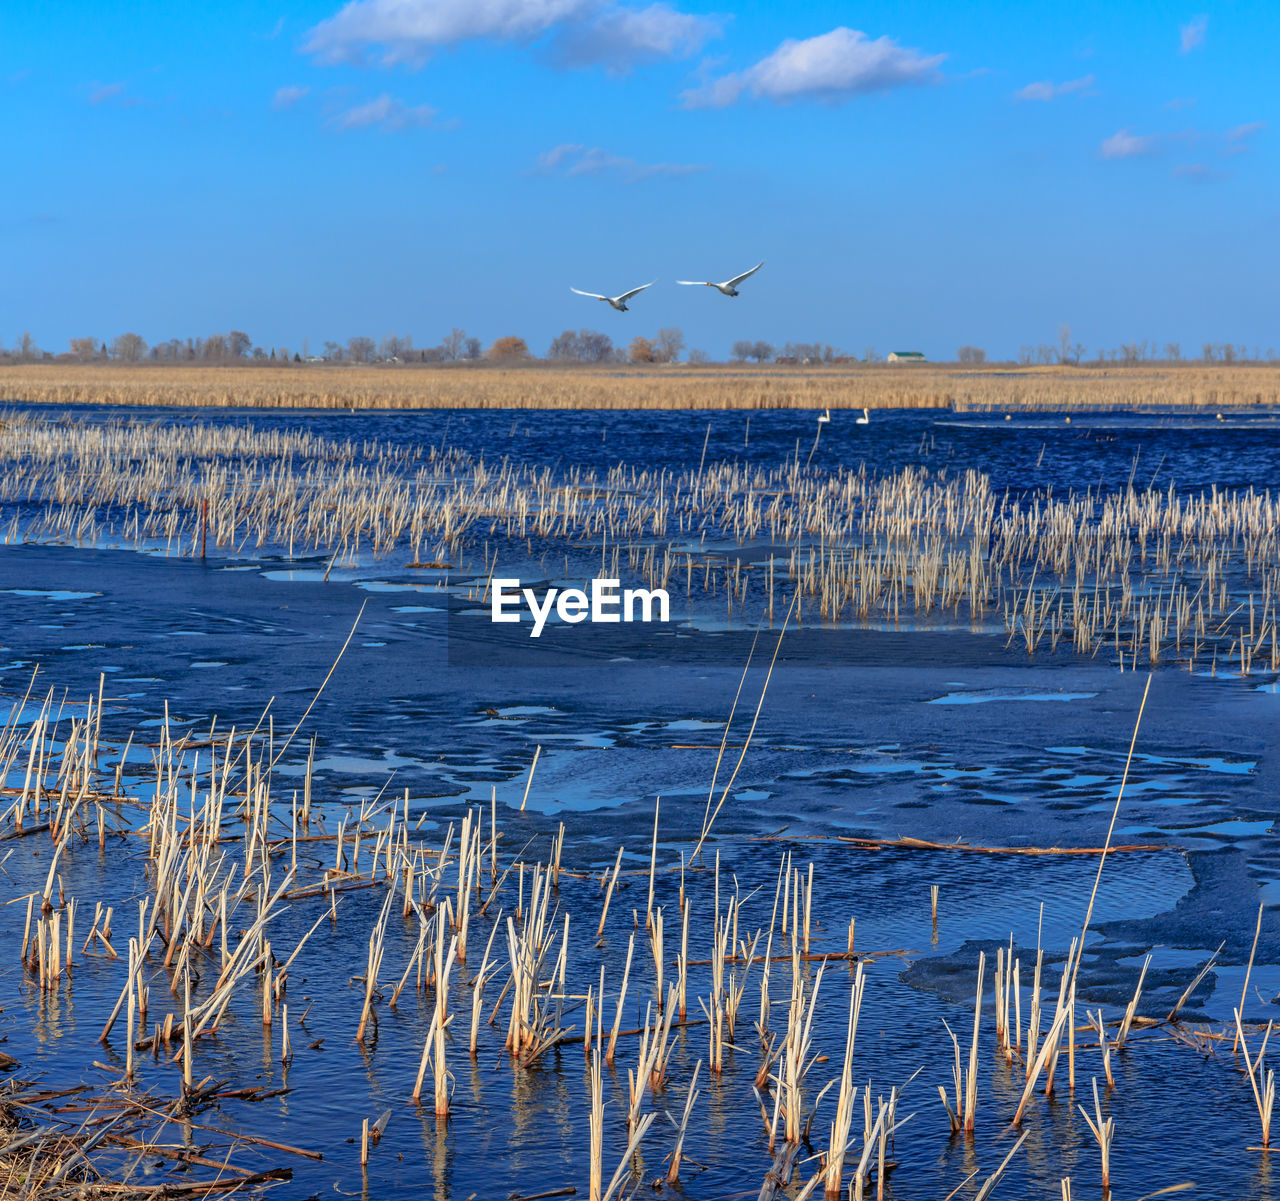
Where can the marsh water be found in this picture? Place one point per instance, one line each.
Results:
(875, 731)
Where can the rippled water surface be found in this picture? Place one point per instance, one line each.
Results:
(865, 735)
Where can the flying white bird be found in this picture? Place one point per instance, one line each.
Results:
(729, 287)
(618, 302)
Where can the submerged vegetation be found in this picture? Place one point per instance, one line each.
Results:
(1138, 574)
(484, 938)
(643, 999)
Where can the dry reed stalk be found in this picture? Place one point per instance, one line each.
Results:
(1244, 991)
(477, 988)
(1103, 1131)
(653, 863)
(1195, 983)
(709, 821)
(1264, 1094)
(673, 1172)
(840, 1142)
(1131, 1009)
(608, 896)
(622, 996)
(1100, 1026)
(1036, 1066)
(971, 1084)
(988, 1185)
(656, 946)
(595, 1159)
(529, 782)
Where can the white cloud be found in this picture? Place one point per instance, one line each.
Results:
(1047, 90)
(386, 112)
(1127, 144)
(1197, 172)
(584, 32)
(408, 30)
(1239, 138)
(831, 67)
(287, 97)
(1240, 132)
(1192, 33)
(575, 159)
(617, 38)
(100, 93)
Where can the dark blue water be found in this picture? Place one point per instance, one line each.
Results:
(1189, 450)
(942, 735)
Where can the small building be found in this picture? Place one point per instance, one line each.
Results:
(906, 356)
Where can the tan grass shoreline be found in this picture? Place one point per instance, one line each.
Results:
(730, 386)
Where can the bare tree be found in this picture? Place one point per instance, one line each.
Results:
(361, 350)
(1173, 351)
(84, 349)
(699, 356)
(395, 347)
(128, 348)
(238, 343)
(1064, 341)
(454, 343)
(670, 343)
(971, 354)
(741, 350)
(762, 352)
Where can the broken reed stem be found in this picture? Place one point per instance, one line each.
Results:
(1244, 991)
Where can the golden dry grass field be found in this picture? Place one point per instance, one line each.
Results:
(544, 386)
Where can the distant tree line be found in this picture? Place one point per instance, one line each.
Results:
(587, 346)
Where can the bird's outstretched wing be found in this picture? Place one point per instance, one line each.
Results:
(693, 283)
(593, 295)
(737, 279)
(641, 288)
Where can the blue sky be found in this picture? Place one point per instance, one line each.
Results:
(916, 175)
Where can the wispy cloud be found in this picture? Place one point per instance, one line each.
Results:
(1178, 103)
(583, 32)
(102, 93)
(385, 113)
(619, 38)
(1198, 173)
(1238, 138)
(575, 159)
(1047, 90)
(1192, 33)
(1127, 144)
(287, 97)
(831, 67)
